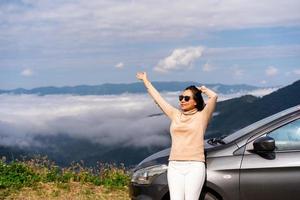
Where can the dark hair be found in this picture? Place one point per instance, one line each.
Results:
(197, 97)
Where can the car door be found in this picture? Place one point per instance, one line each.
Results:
(274, 175)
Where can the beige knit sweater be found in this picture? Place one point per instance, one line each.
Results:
(187, 128)
(187, 133)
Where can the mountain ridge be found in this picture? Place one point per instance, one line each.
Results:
(136, 87)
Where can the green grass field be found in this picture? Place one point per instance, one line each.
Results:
(40, 178)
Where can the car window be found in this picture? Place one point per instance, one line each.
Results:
(287, 137)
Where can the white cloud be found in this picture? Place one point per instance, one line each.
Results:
(288, 73)
(73, 28)
(27, 72)
(271, 71)
(109, 119)
(180, 59)
(263, 91)
(252, 52)
(257, 92)
(120, 65)
(207, 67)
(237, 71)
(263, 82)
(148, 18)
(297, 71)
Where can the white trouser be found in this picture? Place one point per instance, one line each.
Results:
(185, 179)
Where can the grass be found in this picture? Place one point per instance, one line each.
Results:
(40, 178)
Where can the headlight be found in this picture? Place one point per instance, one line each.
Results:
(146, 175)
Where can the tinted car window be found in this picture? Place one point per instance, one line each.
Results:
(287, 137)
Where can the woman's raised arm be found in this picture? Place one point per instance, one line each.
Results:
(211, 102)
(165, 106)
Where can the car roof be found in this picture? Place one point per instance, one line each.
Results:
(244, 131)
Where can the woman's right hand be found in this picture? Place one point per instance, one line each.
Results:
(203, 89)
(141, 76)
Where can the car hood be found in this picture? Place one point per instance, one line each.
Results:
(162, 157)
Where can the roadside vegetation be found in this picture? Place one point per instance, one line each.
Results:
(39, 178)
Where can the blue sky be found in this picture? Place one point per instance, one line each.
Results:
(64, 42)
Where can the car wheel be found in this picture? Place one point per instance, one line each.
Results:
(206, 195)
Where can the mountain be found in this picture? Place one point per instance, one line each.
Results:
(231, 115)
(64, 150)
(236, 113)
(109, 89)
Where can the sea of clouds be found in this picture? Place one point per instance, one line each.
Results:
(126, 120)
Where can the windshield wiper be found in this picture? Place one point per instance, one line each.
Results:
(216, 140)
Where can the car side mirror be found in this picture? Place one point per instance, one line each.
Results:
(264, 144)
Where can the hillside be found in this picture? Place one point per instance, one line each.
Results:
(240, 112)
(64, 150)
(40, 178)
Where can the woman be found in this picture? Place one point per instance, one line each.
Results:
(186, 167)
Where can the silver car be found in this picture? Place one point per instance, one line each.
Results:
(258, 162)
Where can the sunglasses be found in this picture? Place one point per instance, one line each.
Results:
(186, 98)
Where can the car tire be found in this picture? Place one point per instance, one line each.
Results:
(206, 195)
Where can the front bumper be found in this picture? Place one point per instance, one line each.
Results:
(148, 192)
